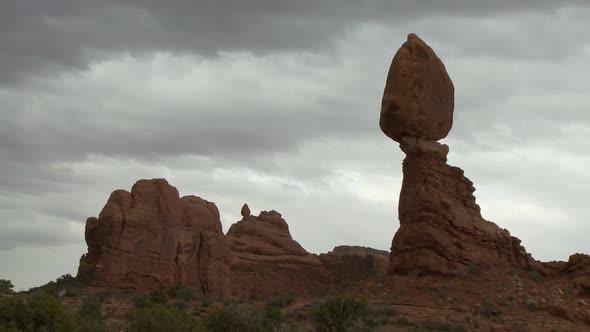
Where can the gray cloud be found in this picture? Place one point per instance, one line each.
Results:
(44, 38)
(278, 107)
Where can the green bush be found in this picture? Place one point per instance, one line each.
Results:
(205, 302)
(488, 308)
(140, 301)
(342, 314)
(89, 317)
(184, 294)
(159, 318)
(531, 304)
(34, 313)
(229, 318)
(159, 296)
(6, 286)
(282, 301)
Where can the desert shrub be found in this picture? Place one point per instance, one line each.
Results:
(342, 314)
(141, 301)
(6, 286)
(89, 317)
(184, 294)
(159, 318)
(531, 304)
(282, 301)
(488, 308)
(34, 313)
(205, 302)
(158, 296)
(231, 319)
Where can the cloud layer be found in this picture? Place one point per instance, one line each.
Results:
(278, 105)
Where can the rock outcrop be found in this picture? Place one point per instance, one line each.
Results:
(351, 263)
(267, 261)
(576, 270)
(151, 238)
(441, 229)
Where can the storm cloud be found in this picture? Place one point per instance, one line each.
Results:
(277, 104)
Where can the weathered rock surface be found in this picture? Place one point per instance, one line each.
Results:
(351, 263)
(576, 270)
(151, 238)
(441, 228)
(267, 261)
(418, 100)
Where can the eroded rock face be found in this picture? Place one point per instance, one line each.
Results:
(351, 263)
(576, 270)
(418, 100)
(441, 228)
(151, 238)
(267, 261)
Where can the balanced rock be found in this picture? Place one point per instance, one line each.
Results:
(151, 238)
(441, 229)
(418, 100)
(267, 261)
(245, 210)
(352, 263)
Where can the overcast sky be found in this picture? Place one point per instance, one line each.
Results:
(276, 104)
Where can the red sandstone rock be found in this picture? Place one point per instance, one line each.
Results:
(351, 263)
(441, 228)
(576, 270)
(267, 261)
(418, 100)
(245, 210)
(152, 238)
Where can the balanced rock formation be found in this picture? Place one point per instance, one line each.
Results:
(151, 238)
(351, 263)
(419, 96)
(267, 261)
(441, 229)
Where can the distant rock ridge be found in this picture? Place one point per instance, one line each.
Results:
(351, 263)
(151, 238)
